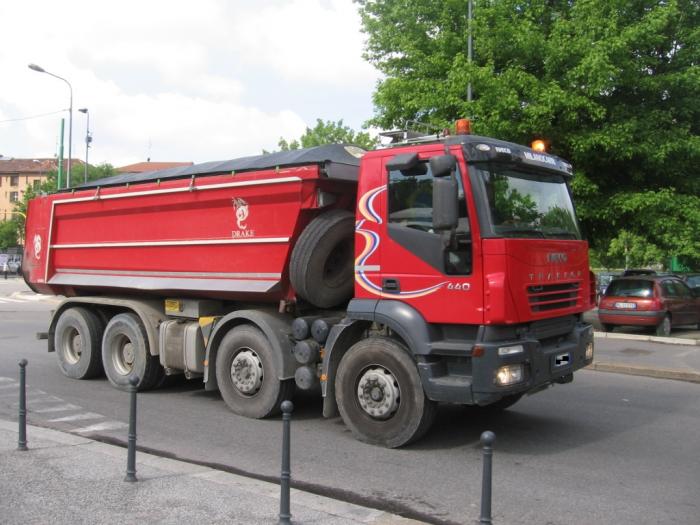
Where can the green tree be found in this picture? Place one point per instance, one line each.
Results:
(8, 234)
(613, 84)
(328, 132)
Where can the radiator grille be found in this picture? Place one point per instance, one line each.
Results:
(548, 297)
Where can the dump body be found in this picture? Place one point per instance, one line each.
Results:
(215, 234)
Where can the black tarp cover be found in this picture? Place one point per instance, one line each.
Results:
(339, 160)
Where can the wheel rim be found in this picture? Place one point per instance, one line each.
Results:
(72, 347)
(123, 355)
(378, 392)
(247, 372)
(666, 326)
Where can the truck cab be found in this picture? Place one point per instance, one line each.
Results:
(468, 252)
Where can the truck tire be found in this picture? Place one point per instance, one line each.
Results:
(125, 354)
(247, 374)
(77, 339)
(379, 394)
(321, 265)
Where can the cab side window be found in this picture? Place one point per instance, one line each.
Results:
(410, 221)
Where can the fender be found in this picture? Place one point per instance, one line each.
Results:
(275, 326)
(149, 311)
(402, 318)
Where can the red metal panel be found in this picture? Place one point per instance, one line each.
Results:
(227, 236)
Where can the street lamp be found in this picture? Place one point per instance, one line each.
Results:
(40, 69)
(88, 140)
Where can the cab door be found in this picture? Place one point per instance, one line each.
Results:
(436, 272)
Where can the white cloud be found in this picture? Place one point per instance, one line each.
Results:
(197, 81)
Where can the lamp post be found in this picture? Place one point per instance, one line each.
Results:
(88, 140)
(40, 69)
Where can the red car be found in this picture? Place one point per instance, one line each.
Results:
(649, 300)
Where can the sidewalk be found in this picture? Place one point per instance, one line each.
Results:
(67, 479)
(637, 352)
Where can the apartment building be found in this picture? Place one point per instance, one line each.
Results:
(16, 175)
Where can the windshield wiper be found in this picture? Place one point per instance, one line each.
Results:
(515, 229)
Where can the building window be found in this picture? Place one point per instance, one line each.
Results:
(36, 183)
(14, 180)
(14, 196)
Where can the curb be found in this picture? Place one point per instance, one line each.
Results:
(332, 507)
(650, 338)
(635, 370)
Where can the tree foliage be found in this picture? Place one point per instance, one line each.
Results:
(328, 132)
(614, 85)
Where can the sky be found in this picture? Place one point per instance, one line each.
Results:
(178, 80)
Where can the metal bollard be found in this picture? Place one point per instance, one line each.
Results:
(131, 451)
(22, 440)
(285, 515)
(487, 439)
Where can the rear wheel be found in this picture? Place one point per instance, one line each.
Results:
(125, 354)
(379, 394)
(247, 374)
(77, 339)
(663, 329)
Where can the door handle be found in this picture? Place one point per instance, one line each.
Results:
(389, 284)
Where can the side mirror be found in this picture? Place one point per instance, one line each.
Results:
(442, 165)
(445, 203)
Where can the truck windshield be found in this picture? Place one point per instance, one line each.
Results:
(526, 204)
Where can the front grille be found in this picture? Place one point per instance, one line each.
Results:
(548, 297)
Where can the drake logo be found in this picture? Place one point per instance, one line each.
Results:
(241, 209)
(37, 246)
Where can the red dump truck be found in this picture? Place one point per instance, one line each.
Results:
(439, 269)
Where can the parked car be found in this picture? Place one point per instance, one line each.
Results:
(661, 302)
(691, 279)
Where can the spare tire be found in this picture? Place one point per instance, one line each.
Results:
(321, 268)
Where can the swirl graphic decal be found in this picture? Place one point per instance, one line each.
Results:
(372, 241)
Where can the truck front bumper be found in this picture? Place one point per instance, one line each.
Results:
(497, 369)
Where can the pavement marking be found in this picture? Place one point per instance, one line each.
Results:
(107, 425)
(59, 408)
(6, 380)
(8, 300)
(77, 417)
(8, 386)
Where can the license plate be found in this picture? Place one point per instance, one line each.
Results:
(626, 306)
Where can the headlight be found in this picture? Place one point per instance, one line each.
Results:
(510, 350)
(589, 351)
(509, 375)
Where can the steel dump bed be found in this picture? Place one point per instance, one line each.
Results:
(217, 230)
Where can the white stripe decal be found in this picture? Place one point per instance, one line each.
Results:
(145, 273)
(185, 189)
(197, 242)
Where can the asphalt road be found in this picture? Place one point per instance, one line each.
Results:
(606, 449)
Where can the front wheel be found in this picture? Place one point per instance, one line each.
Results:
(247, 374)
(663, 329)
(379, 394)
